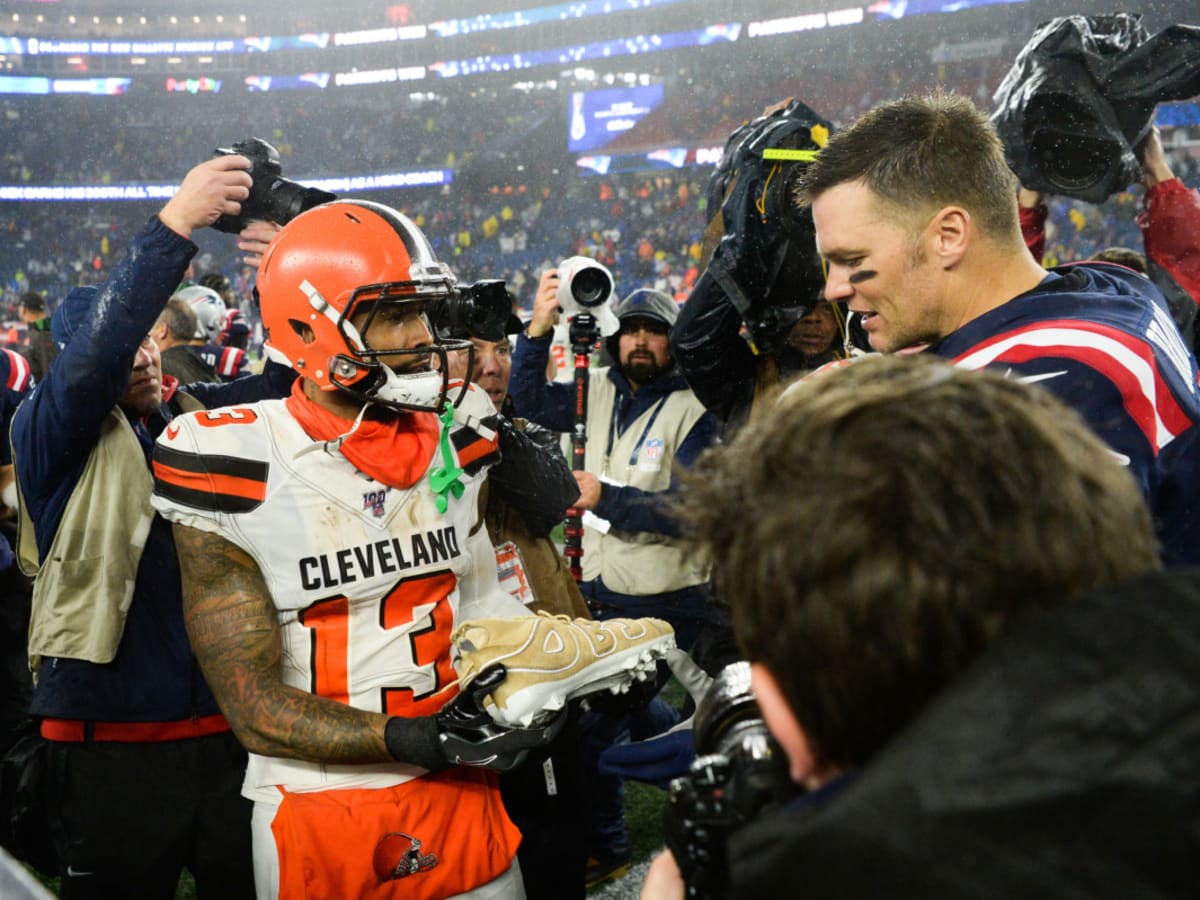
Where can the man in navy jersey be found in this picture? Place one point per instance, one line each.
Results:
(916, 214)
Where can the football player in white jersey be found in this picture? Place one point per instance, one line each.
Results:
(329, 542)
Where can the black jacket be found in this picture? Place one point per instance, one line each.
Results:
(1065, 763)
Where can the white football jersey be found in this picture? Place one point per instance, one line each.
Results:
(369, 580)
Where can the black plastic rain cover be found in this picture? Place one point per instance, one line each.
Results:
(1080, 98)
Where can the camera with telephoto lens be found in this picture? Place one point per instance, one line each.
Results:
(273, 198)
(739, 773)
(479, 310)
(584, 286)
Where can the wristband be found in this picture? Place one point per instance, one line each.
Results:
(415, 741)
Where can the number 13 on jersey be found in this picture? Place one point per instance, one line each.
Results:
(406, 659)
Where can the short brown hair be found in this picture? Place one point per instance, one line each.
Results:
(33, 301)
(920, 154)
(890, 520)
(180, 319)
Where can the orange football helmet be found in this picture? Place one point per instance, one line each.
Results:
(332, 263)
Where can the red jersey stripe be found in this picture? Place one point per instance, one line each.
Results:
(1128, 362)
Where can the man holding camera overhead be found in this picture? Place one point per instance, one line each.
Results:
(644, 425)
(142, 772)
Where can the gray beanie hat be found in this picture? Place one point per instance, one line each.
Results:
(646, 303)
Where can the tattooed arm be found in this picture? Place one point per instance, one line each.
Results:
(234, 632)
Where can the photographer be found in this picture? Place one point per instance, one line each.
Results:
(740, 334)
(1007, 733)
(644, 426)
(142, 772)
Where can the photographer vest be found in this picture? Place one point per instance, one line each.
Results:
(643, 456)
(82, 590)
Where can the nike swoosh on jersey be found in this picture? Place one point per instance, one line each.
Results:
(1044, 376)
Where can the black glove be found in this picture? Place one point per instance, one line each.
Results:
(463, 734)
(471, 737)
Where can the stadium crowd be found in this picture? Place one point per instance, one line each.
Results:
(646, 227)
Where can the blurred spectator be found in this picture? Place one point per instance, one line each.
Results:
(40, 348)
(16, 685)
(814, 340)
(235, 333)
(220, 283)
(229, 363)
(175, 333)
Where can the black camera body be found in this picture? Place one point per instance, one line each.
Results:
(272, 197)
(480, 310)
(739, 773)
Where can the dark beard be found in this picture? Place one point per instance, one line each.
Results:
(642, 371)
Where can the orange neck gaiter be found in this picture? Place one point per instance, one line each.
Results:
(394, 450)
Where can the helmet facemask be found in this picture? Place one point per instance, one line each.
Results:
(361, 372)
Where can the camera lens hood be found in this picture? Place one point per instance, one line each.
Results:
(726, 711)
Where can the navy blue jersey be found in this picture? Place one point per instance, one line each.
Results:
(1099, 337)
(228, 362)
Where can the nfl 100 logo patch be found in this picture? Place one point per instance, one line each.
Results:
(373, 500)
(652, 455)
